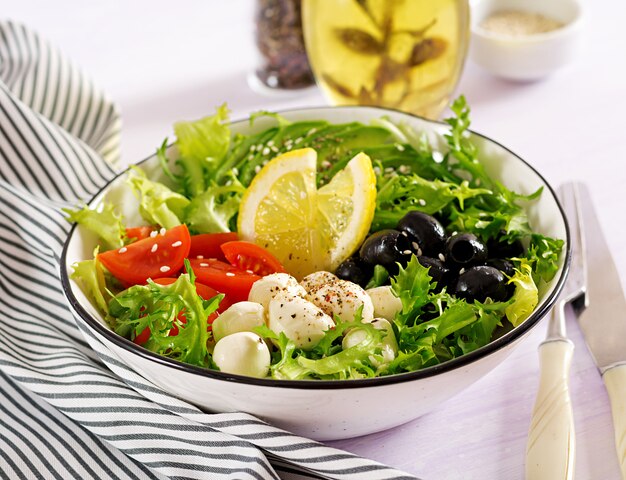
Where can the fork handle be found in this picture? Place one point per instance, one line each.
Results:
(550, 451)
(615, 381)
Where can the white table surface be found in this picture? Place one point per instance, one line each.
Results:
(163, 61)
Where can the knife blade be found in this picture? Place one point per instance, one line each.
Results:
(603, 321)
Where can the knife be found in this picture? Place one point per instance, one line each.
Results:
(603, 322)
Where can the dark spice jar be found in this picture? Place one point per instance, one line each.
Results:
(284, 63)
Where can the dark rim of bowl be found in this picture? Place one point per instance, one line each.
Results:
(455, 363)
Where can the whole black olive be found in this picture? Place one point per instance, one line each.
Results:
(425, 231)
(480, 282)
(386, 248)
(436, 269)
(503, 265)
(465, 249)
(355, 271)
(504, 249)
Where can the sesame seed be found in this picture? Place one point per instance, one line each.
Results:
(250, 157)
(230, 274)
(407, 252)
(122, 250)
(400, 147)
(162, 231)
(442, 257)
(249, 271)
(462, 271)
(200, 257)
(259, 147)
(302, 194)
(404, 234)
(177, 244)
(454, 233)
(257, 169)
(419, 252)
(154, 248)
(270, 143)
(404, 169)
(204, 264)
(297, 140)
(415, 245)
(422, 202)
(478, 182)
(235, 171)
(274, 149)
(153, 233)
(311, 132)
(289, 146)
(164, 268)
(326, 164)
(437, 156)
(266, 150)
(388, 169)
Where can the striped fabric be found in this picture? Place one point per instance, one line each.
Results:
(69, 408)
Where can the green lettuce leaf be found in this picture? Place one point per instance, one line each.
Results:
(214, 210)
(157, 203)
(525, 297)
(158, 307)
(543, 255)
(202, 145)
(411, 285)
(103, 221)
(90, 277)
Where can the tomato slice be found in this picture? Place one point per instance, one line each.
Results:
(139, 233)
(207, 245)
(152, 257)
(251, 258)
(232, 281)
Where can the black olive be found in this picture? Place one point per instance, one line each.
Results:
(425, 231)
(480, 282)
(503, 265)
(386, 248)
(355, 271)
(436, 269)
(504, 249)
(465, 249)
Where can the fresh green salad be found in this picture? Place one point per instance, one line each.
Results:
(312, 250)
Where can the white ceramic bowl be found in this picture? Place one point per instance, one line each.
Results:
(531, 57)
(326, 410)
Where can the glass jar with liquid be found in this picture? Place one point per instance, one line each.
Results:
(403, 54)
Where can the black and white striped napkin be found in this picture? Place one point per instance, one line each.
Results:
(69, 409)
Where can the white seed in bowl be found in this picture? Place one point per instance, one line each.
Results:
(239, 317)
(242, 353)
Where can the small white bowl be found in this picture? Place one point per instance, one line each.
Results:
(325, 409)
(527, 57)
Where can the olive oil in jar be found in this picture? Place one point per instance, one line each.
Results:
(404, 54)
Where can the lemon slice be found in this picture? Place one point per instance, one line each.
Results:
(305, 228)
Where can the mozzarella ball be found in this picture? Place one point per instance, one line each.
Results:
(263, 290)
(388, 347)
(386, 304)
(300, 320)
(239, 317)
(342, 298)
(242, 353)
(317, 279)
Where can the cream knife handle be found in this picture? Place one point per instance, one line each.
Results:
(615, 381)
(551, 444)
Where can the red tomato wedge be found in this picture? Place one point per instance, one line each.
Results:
(232, 281)
(139, 233)
(251, 258)
(207, 245)
(152, 257)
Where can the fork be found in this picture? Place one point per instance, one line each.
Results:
(550, 451)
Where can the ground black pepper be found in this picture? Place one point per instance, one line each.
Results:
(281, 44)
